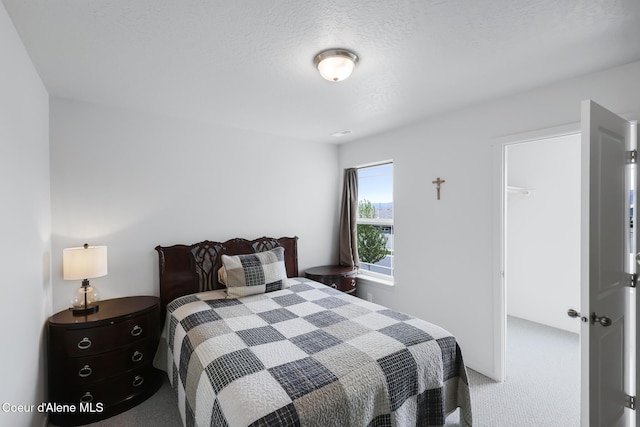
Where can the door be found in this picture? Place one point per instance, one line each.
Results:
(604, 251)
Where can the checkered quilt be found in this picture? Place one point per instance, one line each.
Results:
(309, 355)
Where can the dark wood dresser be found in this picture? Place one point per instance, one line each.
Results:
(101, 364)
(336, 276)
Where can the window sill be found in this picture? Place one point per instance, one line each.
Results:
(369, 279)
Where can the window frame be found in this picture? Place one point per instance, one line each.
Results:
(367, 274)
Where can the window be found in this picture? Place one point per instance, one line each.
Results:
(375, 220)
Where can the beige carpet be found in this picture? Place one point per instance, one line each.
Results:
(543, 381)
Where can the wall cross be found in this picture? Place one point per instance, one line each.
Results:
(437, 182)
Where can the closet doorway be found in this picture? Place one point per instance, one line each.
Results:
(541, 264)
(542, 253)
(537, 244)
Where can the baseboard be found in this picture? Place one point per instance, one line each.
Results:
(488, 374)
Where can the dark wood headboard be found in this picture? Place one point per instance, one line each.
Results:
(187, 269)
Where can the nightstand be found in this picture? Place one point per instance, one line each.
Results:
(101, 364)
(337, 276)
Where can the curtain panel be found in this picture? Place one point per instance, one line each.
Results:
(348, 237)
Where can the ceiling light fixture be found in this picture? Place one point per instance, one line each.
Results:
(336, 64)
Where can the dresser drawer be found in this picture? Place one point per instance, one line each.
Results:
(115, 389)
(103, 399)
(82, 342)
(83, 370)
(345, 284)
(338, 277)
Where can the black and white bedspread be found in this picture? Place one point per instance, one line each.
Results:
(309, 355)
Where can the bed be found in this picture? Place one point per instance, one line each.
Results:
(289, 351)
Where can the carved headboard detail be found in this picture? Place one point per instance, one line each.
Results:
(207, 259)
(187, 269)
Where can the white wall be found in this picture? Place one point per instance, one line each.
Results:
(444, 249)
(543, 231)
(132, 181)
(25, 228)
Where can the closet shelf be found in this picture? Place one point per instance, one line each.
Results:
(518, 190)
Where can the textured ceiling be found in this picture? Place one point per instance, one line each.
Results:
(249, 64)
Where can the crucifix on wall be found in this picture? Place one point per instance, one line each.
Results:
(437, 182)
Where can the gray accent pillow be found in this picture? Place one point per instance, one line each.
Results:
(256, 273)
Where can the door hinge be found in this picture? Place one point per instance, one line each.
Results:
(631, 402)
(633, 280)
(632, 157)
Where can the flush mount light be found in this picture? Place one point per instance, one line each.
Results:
(336, 64)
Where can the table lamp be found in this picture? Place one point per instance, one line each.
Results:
(84, 263)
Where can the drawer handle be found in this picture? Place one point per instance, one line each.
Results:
(334, 286)
(137, 356)
(137, 381)
(85, 371)
(137, 330)
(88, 397)
(84, 343)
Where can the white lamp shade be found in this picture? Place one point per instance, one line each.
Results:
(84, 262)
(336, 64)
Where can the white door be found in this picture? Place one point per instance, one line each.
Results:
(605, 235)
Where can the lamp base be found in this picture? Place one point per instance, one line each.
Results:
(85, 311)
(85, 300)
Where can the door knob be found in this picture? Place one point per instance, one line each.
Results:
(574, 314)
(604, 320)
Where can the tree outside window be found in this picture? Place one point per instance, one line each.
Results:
(372, 243)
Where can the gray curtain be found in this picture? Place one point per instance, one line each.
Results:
(348, 238)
